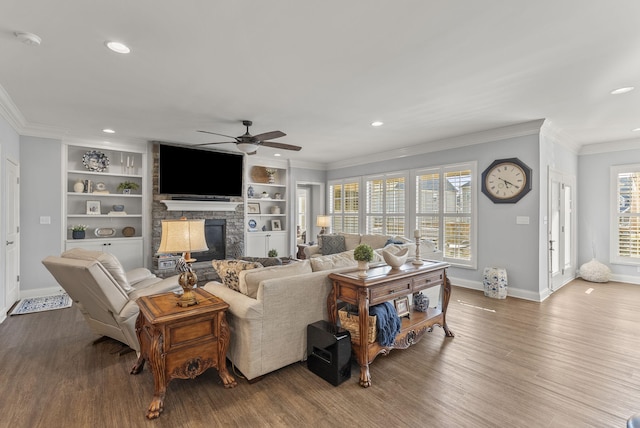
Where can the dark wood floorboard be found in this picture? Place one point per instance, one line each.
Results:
(571, 361)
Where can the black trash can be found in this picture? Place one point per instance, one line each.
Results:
(329, 352)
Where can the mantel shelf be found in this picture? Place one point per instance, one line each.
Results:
(200, 205)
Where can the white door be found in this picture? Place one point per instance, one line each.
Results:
(561, 230)
(12, 250)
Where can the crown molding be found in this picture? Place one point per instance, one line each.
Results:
(610, 146)
(10, 112)
(511, 131)
(557, 136)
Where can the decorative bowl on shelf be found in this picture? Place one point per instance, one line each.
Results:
(104, 232)
(128, 231)
(397, 259)
(118, 208)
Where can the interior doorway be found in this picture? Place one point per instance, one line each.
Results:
(12, 245)
(309, 204)
(561, 229)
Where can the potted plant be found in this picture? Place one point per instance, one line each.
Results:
(363, 254)
(127, 186)
(78, 231)
(272, 253)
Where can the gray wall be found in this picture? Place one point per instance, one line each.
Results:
(40, 196)
(501, 241)
(9, 149)
(594, 192)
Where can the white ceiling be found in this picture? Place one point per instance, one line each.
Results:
(321, 71)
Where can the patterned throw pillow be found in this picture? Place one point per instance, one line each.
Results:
(332, 244)
(228, 271)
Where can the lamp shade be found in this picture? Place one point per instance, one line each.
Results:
(179, 236)
(323, 221)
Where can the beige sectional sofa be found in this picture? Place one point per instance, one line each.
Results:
(377, 242)
(270, 307)
(268, 328)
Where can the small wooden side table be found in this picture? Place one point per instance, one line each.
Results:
(181, 342)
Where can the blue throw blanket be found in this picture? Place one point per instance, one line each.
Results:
(387, 322)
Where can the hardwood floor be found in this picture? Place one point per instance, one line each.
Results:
(571, 361)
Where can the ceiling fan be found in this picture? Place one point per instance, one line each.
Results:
(248, 143)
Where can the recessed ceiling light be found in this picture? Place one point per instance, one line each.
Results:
(622, 90)
(377, 123)
(118, 47)
(108, 131)
(277, 155)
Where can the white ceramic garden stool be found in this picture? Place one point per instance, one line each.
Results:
(495, 282)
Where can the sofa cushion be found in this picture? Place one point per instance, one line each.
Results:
(332, 244)
(250, 279)
(375, 240)
(108, 260)
(332, 261)
(351, 240)
(229, 270)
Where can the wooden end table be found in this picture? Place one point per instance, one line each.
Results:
(181, 342)
(384, 284)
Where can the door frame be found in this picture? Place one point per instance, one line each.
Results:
(568, 272)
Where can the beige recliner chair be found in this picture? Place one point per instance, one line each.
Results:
(106, 294)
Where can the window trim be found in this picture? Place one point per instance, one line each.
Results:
(614, 243)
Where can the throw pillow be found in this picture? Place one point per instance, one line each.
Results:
(332, 261)
(251, 279)
(264, 261)
(332, 244)
(393, 241)
(229, 270)
(375, 240)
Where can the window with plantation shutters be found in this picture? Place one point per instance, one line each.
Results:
(344, 205)
(625, 205)
(445, 210)
(385, 208)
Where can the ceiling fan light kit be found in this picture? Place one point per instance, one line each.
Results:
(249, 144)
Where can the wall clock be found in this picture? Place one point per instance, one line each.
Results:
(506, 181)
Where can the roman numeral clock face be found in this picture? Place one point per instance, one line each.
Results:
(506, 180)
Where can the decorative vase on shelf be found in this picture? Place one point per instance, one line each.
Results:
(250, 192)
(271, 175)
(78, 187)
(77, 234)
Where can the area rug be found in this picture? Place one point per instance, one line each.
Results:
(40, 304)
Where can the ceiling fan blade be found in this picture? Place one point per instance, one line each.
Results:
(215, 133)
(280, 145)
(220, 142)
(269, 135)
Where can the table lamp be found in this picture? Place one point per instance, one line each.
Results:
(184, 236)
(323, 221)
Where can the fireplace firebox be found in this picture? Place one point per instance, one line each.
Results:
(215, 232)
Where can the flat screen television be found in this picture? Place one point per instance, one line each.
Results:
(195, 172)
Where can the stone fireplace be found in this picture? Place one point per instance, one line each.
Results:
(226, 220)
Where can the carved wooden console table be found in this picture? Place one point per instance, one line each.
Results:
(383, 284)
(181, 342)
